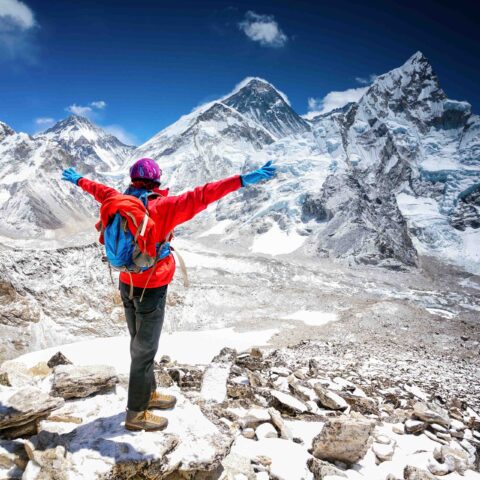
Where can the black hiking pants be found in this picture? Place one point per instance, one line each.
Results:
(144, 321)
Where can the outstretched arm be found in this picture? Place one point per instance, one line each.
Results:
(168, 212)
(99, 191)
(172, 211)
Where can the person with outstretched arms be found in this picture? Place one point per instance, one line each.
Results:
(143, 218)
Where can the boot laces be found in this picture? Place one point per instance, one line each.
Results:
(160, 396)
(150, 417)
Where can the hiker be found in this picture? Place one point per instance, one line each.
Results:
(144, 292)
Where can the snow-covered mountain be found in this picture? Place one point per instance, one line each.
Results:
(89, 144)
(379, 181)
(34, 202)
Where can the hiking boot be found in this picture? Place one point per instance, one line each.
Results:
(144, 421)
(161, 401)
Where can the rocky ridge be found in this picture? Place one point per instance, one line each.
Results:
(258, 414)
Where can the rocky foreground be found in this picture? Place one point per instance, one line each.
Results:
(263, 414)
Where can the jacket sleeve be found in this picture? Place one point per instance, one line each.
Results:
(168, 212)
(99, 191)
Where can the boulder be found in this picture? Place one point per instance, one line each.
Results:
(431, 413)
(162, 378)
(226, 355)
(343, 439)
(253, 361)
(384, 452)
(187, 377)
(305, 394)
(72, 381)
(360, 404)
(287, 403)
(250, 418)
(322, 469)
(58, 359)
(414, 426)
(415, 473)
(455, 460)
(329, 399)
(16, 374)
(24, 406)
(277, 420)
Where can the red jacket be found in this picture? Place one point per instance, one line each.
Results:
(167, 213)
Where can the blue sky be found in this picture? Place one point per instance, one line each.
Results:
(135, 67)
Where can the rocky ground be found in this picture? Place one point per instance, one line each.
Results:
(310, 411)
(370, 373)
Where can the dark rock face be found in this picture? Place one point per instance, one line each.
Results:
(360, 226)
(58, 359)
(467, 210)
(259, 101)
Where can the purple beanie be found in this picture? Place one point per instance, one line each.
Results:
(147, 169)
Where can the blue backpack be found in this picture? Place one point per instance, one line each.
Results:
(122, 250)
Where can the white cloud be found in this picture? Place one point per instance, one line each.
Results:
(332, 100)
(17, 31)
(14, 13)
(121, 134)
(366, 81)
(99, 105)
(44, 122)
(83, 111)
(86, 110)
(263, 29)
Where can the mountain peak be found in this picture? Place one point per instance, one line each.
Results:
(261, 102)
(259, 86)
(71, 121)
(5, 131)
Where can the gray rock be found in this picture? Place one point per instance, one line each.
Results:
(455, 460)
(414, 426)
(72, 381)
(287, 403)
(187, 377)
(343, 439)
(363, 405)
(322, 469)
(329, 399)
(431, 413)
(23, 406)
(384, 452)
(162, 378)
(414, 473)
(58, 359)
(277, 420)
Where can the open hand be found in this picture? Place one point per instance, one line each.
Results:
(266, 172)
(70, 175)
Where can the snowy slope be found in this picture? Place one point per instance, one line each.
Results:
(34, 202)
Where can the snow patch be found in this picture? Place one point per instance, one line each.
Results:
(277, 242)
(313, 318)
